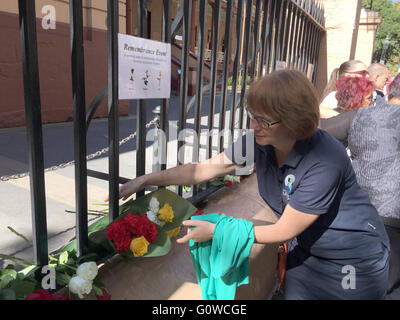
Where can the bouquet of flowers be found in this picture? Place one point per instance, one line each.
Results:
(145, 225)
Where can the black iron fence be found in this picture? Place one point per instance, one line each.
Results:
(269, 34)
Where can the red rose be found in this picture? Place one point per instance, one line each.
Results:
(105, 296)
(41, 294)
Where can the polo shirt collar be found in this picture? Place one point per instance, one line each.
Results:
(297, 153)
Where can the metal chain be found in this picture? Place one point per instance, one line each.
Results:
(89, 157)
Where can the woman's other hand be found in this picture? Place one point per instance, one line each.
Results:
(202, 231)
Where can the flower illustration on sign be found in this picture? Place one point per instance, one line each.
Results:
(146, 78)
(159, 80)
(132, 70)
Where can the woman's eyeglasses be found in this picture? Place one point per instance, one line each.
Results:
(261, 121)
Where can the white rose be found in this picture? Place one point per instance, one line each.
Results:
(153, 218)
(154, 205)
(80, 286)
(87, 270)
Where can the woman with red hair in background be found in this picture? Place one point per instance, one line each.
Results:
(351, 94)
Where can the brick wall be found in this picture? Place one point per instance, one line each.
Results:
(54, 61)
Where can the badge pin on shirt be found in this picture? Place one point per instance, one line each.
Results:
(289, 181)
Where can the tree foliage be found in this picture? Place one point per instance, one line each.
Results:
(390, 27)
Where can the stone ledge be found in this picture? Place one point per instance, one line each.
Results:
(173, 276)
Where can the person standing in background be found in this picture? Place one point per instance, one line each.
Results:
(379, 74)
(352, 68)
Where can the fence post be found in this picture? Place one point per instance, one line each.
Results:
(113, 114)
(78, 88)
(27, 23)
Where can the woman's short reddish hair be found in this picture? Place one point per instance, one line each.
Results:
(350, 91)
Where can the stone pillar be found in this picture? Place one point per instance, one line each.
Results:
(341, 20)
(369, 23)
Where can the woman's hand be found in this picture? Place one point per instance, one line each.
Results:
(131, 187)
(202, 231)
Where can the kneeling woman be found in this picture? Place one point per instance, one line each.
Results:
(306, 178)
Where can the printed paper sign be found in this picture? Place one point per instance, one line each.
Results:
(280, 65)
(144, 68)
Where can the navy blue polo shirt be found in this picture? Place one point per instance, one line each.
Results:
(317, 178)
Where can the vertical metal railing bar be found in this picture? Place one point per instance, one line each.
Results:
(307, 40)
(225, 70)
(304, 36)
(279, 34)
(141, 105)
(307, 44)
(199, 82)
(314, 55)
(289, 40)
(270, 35)
(256, 47)
(27, 24)
(299, 39)
(113, 114)
(213, 75)
(239, 26)
(249, 8)
(286, 30)
(264, 33)
(292, 31)
(296, 35)
(78, 91)
(187, 14)
(166, 37)
(276, 33)
(317, 43)
(303, 42)
(311, 45)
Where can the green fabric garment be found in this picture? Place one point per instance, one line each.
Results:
(222, 264)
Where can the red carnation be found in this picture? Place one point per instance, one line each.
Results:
(118, 232)
(132, 223)
(151, 232)
(228, 183)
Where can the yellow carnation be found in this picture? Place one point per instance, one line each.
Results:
(173, 232)
(166, 213)
(139, 246)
